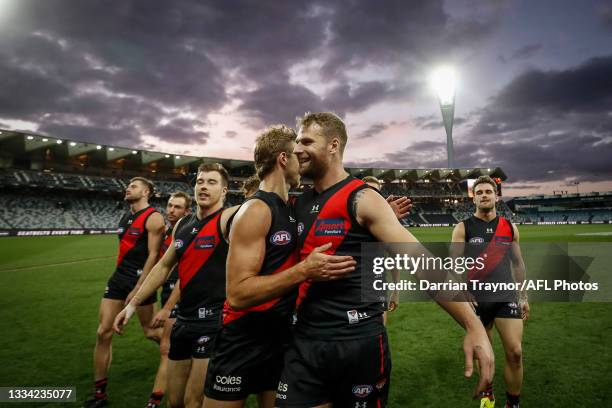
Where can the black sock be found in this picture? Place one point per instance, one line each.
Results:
(156, 397)
(100, 387)
(513, 400)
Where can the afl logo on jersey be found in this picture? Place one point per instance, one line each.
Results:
(476, 240)
(178, 244)
(280, 238)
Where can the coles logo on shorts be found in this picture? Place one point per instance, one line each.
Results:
(207, 242)
(135, 231)
(362, 391)
(178, 244)
(329, 227)
(476, 240)
(280, 238)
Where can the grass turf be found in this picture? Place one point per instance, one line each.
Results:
(50, 288)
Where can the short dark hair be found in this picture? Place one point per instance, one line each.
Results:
(147, 183)
(184, 196)
(218, 167)
(269, 144)
(250, 184)
(331, 126)
(485, 180)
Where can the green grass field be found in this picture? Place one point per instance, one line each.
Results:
(50, 290)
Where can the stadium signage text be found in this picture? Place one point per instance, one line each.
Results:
(55, 232)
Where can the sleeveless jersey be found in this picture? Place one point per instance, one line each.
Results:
(201, 252)
(334, 310)
(281, 242)
(133, 242)
(173, 277)
(493, 242)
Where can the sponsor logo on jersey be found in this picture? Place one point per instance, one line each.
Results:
(362, 391)
(178, 244)
(476, 240)
(329, 227)
(280, 238)
(207, 242)
(314, 209)
(135, 231)
(489, 230)
(291, 219)
(203, 313)
(228, 380)
(194, 230)
(300, 228)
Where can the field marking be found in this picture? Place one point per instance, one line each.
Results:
(22, 268)
(599, 234)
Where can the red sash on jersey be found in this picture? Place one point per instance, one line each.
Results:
(133, 233)
(194, 259)
(335, 209)
(229, 314)
(494, 253)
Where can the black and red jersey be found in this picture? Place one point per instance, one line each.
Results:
(334, 310)
(133, 241)
(281, 243)
(493, 242)
(201, 253)
(173, 277)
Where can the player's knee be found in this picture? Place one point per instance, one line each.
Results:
(514, 356)
(152, 334)
(104, 334)
(175, 401)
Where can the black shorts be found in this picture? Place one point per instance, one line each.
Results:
(348, 373)
(165, 295)
(246, 362)
(191, 340)
(120, 285)
(488, 312)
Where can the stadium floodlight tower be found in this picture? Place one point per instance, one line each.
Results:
(444, 81)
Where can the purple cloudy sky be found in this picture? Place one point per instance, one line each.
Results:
(203, 77)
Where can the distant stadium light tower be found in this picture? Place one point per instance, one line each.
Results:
(444, 81)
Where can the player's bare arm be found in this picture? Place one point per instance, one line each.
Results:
(379, 219)
(225, 216)
(518, 271)
(245, 287)
(164, 314)
(155, 228)
(159, 274)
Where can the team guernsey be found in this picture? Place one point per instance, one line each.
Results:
(248, 353)
(493, 242)
(168, 286)
(340, 353)
(132, 256)
(201, 252)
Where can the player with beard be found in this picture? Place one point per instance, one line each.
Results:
(179, 205)
(140, 235)
(340, 356)
(504, 263)
(262, 278)
(199, 253)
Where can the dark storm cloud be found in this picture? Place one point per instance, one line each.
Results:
(230, 134)
(372, 131)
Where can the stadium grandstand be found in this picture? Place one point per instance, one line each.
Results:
(54, 186)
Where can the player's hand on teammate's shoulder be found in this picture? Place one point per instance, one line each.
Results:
(323, 267)
(123, 318)
(160, 318)
(401, 205)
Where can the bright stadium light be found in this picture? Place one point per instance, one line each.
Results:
(59, 142)
(72, 144)
(98, 147)
(45, 139)
(29, 137)
(134, 152)
(111, 149)
(177, 157)
(444, 83)
(167, 156)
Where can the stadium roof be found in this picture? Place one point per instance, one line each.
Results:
(40, 149)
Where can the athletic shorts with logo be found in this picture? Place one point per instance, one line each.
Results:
(348, 373)
(165, 295)
(121, 284)
(191, 340)
(247, 362)
(489, 311)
